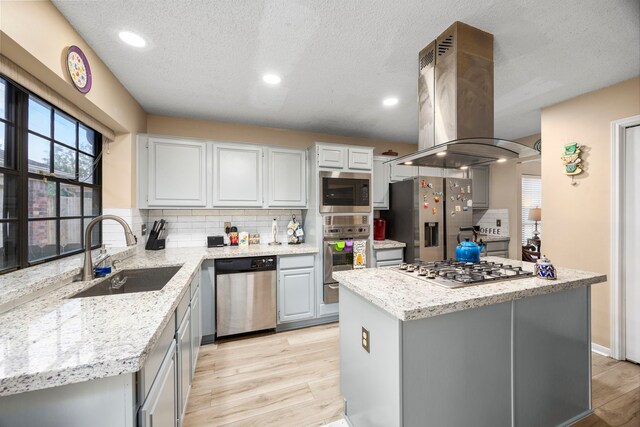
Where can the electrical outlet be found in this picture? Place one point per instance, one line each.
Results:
(498, 223)
(366, 339)
(227, 226)
(143, 229)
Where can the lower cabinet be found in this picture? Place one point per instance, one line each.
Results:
(196, 329)
(183, 339)
(296, 289)
(159, 408)
(389, 257)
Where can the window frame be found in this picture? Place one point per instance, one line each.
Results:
(17, 107)
(525, 223)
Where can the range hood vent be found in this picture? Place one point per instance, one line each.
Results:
(455, 98)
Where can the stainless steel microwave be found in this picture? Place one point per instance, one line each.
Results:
(345, 192)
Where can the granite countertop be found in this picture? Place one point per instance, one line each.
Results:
(387, 244)
(51, 341)
(407, 298)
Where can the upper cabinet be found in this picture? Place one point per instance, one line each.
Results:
(402, 172)
(334, 156)
(176, 172)
(361, 158)
(380, 183)
(287, 177)
(480, 182)
(237, 175)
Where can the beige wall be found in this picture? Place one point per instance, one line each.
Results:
(506, 192)
(578, 217)
(163, 125)
(36, 36)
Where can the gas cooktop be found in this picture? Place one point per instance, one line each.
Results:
(455, 274)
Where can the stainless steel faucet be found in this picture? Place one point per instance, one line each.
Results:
(87, 271)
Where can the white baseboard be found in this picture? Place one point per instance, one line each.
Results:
(600, 349)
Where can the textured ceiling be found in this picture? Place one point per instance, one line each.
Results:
(339, 59)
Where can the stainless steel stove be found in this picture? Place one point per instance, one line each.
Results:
(454, 274)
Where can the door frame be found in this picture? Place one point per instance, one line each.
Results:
(618, 129)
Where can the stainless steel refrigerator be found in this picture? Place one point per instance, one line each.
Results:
(427, 213)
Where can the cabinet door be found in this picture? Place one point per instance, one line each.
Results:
(295, 295)
(177, 173)
(184, 364)
(287, 177)
(237, 175)
(380, 183)
(196, 330)
(332, 156)
(361, 158)
(430, 171)
(480, 181)
(159, 409)
(402, 172)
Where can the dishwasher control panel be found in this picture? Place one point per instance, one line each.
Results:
(269, 262)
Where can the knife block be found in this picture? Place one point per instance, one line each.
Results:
(153, 243)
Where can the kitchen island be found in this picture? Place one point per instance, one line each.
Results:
(505, 353)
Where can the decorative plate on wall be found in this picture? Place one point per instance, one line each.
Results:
(79, 70)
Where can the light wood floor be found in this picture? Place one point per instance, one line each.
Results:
(286, 379)
(615, 394)
(292, 379)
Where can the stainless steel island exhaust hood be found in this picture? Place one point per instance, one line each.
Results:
(455, 96)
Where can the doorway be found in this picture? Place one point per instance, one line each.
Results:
(625, 283)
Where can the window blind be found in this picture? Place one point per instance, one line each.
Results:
(531, 198)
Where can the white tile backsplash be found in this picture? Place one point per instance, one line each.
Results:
(190, 228)
(487, 221)
(112, 232)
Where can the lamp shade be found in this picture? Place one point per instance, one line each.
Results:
(535, 214)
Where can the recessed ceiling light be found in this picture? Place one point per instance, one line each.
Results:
(271, 79)
(502, 160)
(464, 168)
(132, 39)
(389, 102)
(408, 163)
(441, 154)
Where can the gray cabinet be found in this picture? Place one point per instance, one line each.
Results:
(287, 177)
(381, 183)
(480, 182)
(389, 257)
(296, 289)
(402, 172)
(332, 156)
(237, 175)
(207, 303)
(183, 341)
(177, 172)
(159, 409)
(196, 329)
(360, 158)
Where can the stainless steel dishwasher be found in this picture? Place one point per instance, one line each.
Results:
(245, 295)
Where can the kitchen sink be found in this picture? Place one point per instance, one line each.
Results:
(131, 281)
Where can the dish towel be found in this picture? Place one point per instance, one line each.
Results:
(359, 254)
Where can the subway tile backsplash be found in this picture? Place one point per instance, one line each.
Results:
(189, 228)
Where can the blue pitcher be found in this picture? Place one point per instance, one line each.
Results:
(468, 251)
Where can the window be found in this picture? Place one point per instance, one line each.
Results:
(531, 198)
(49, 180)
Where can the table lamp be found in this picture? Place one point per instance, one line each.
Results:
(535, 214)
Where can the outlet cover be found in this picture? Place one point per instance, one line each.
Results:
(366, 340)
(143, 229)
(498, 223)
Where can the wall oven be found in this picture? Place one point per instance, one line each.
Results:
(337, 255)
(345, 192)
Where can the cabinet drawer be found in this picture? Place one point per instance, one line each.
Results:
(497, 246)
(151, 366)
(390, 254)
(288, 262)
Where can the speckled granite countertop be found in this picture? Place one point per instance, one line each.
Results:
(408, 298)
(52, 341)
(387, 244)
